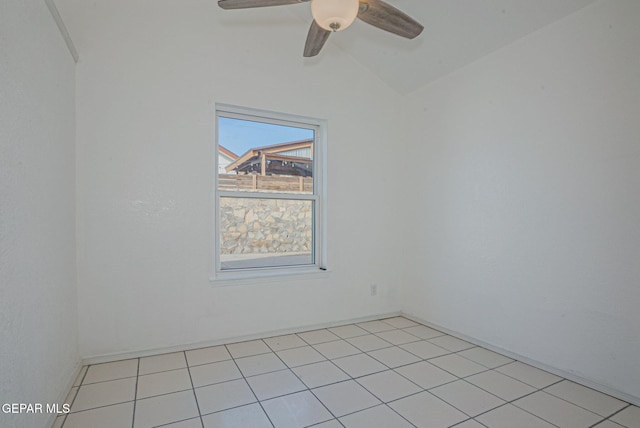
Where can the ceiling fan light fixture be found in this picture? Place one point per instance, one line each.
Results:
(334, 15)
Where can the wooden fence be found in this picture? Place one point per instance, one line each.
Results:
(262, 183)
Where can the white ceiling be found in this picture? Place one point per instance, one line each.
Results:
(457, 32)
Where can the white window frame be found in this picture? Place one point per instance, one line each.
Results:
(319, 267)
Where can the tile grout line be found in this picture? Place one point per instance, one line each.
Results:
(193, 389)
(368, 408)
(428, 390)
(386, 404)
(505, 402)
(464, 380)
(102, 406)
(94, 383)
(233, 407)
(249, 385)
(570, 403)
(449, 404)
(397, 413)
(322, 329)
(392, 369)
(532, 386)
(163, 371)
(608, 418)
(114, 379)
(512, 402)
(491, 393)
(252, 376)
(320, 423)
(597, 423)
(143, 398)
(382, 403)
(75, 396)
(308, 389)
(391, 345)
(518, 407)
(355, 380)
(477, 421)
(330, 360)
(176, 422)
(465, 421)
(578, 405)
(135, 395)
(490, 368)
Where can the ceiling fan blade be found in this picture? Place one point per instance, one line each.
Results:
(245, 4)
(316, 38)
(388, 18)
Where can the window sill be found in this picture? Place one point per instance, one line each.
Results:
(257, 276)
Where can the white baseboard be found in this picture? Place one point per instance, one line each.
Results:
(558, 372)
(97, 359)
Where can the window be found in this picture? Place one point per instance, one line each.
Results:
(269, 195)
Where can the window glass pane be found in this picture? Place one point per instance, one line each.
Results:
(264, 157)
(256, 232)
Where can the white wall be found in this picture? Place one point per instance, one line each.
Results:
(528, 205)
(223, 162)
(38, 313)
(148, 77)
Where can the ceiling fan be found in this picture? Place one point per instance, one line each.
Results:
(336, 15)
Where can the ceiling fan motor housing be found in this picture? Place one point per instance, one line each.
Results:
(334, 15)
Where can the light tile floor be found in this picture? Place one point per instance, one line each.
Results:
(391, 373)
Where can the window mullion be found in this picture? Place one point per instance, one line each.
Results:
(265, 195)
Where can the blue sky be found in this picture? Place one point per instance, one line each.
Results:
(241, 135)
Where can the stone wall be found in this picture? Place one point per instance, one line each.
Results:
(251, 226)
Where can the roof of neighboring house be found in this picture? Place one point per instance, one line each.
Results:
(284, 165)
(227, 152)
(283, 147)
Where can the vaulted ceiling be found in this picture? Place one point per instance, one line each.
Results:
(457, 33)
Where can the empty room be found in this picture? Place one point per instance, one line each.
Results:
(320, 213)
